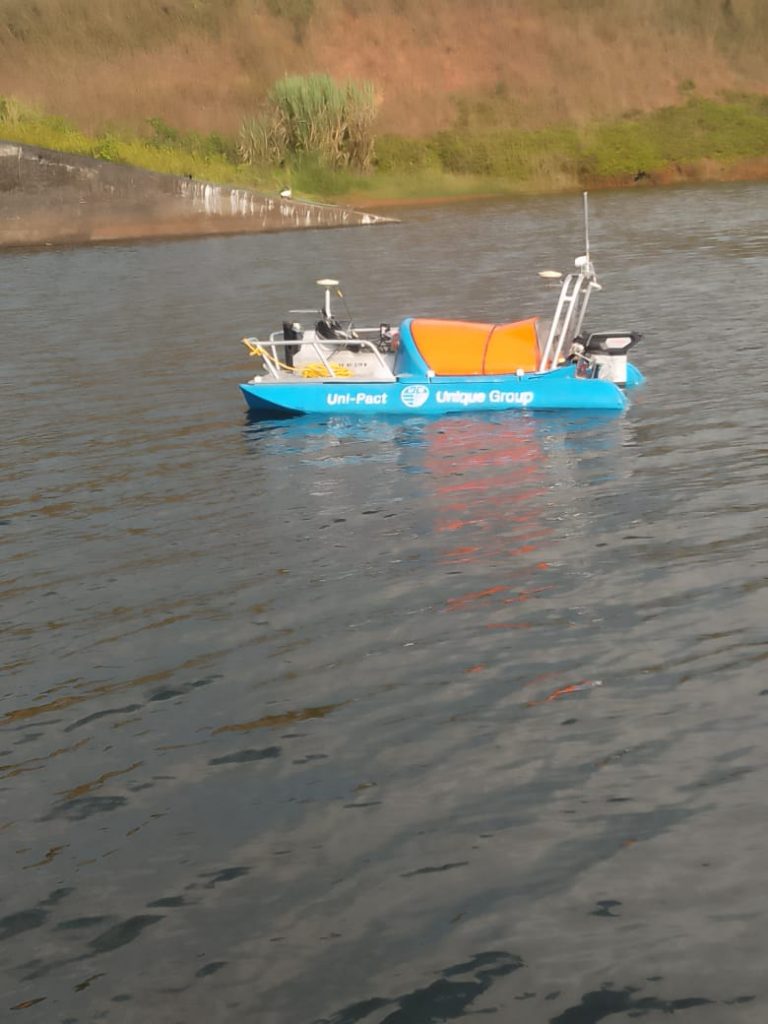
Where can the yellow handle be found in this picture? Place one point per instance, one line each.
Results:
(254, 350)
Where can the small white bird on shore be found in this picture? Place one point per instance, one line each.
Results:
(286, 193)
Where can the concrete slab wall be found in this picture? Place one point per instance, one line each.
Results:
(50, 197)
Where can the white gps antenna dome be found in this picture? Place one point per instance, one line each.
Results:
(328, 283)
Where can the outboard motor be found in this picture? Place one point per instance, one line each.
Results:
(329, 327)
(608, 351)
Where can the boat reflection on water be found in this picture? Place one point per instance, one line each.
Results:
(489, 499)
(483, 491)
(481, 465)
(465, 534)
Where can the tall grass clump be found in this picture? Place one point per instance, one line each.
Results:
(11, 111)
(313, 116)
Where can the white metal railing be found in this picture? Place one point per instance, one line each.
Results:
(278, 342)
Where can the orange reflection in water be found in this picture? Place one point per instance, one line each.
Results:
(490, 486)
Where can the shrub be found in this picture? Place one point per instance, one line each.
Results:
(164, 137)
(107, 147)
(313, 115)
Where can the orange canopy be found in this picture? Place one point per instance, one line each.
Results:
(461, 348)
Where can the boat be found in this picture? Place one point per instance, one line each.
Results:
(432, 366)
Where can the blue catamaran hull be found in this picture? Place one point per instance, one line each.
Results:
(408, 395)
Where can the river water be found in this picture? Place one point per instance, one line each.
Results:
(286, 728)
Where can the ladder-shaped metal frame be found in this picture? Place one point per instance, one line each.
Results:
(569, 313)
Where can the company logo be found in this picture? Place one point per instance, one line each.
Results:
(523, 398)
(358, 398)
(414, 396)
(464, 398)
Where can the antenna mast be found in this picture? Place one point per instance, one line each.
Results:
(586, 226)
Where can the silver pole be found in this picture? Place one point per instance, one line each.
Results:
(561, 299)
(586, 223)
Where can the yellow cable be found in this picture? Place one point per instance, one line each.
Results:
(311, 370)
(318, 370)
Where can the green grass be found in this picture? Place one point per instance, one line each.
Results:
(451, 163)
(700, 130)
(211, 158)
(734, 129)
(313, 116)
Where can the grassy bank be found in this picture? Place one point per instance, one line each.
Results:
(698, 139)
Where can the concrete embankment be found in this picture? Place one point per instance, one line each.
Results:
(47, 196)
